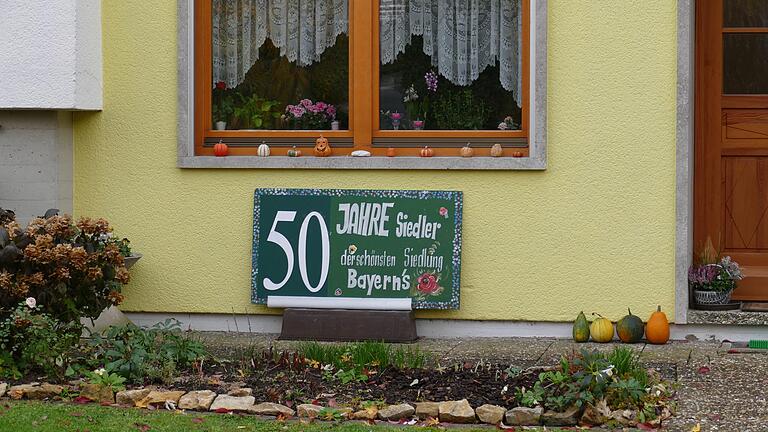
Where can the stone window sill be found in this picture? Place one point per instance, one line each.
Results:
(349, 162)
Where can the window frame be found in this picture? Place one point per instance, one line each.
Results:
(536, 90)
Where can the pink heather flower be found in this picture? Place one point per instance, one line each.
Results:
(314, 109)
(297, 111)
(331, 111)
(396, 116)
(305, 102)
(321, 106)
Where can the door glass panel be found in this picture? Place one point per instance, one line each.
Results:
(745, 13)
(444, 66)
(282, 66)
(745, 63)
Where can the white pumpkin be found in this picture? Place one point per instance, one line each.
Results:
(263, 150)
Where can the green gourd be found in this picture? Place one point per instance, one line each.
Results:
(630, 328)
(581, 328)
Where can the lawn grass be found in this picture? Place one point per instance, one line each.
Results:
(67, 417)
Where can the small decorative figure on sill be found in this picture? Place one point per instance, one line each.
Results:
(361, 153)
(466, 151)
(517, 154)
(220, 149)
(496, 150)
(426, 152)
(391, 152)
(263, 150)
(294, 152)
(322, 148)
(418, 125)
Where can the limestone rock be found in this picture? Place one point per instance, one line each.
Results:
(271, 409)
(457, 412)
(97, 393)
(44, 391)
(3, 389)
(233, 403)
(569, 417)
(396, 412)
(425, 410)
(523, 416)
(593, 416)
(240, 392)
(308, 410)
(365, 414)
(491, 414)
(197, 400)
(160, 397)
(624, 417)
(131, 397)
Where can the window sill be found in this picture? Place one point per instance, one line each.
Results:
(349, 162)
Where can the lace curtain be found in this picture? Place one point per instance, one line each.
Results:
(463, 37)
(302, 29)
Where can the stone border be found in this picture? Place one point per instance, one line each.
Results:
(538, 121)
(684, 157)
(241, 401)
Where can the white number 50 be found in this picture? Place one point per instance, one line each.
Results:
(280, 240)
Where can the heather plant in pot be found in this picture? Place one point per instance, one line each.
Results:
(714, 277)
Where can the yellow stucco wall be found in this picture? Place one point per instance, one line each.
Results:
(595, 231)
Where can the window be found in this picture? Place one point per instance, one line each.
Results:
(367, 75)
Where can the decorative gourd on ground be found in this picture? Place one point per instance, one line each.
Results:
(657, 329)
(581, 328)
(601, 329)
(630, 328)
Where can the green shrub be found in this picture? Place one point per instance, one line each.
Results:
(358, 356)
(153, 353)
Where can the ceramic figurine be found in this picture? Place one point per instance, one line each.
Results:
(322, 148)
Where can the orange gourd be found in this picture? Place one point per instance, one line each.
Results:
(391, 152)
(426, 152)
(657, 328)
(322, 148)
(467, 151)
(220, 149)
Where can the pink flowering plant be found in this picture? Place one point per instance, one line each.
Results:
(714, 272)
(310, 115)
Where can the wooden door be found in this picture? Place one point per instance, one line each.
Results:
(731, 136)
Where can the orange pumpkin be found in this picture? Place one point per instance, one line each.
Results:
(517, 154)
(220, 149)
(426, 152)
(657, 328)
(322, 148)
(391, 152)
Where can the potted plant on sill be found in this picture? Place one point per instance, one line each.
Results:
(714, 278)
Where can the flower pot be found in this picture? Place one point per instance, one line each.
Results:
(335, 125)
(712, 297)
(131, 260)
(221, 125)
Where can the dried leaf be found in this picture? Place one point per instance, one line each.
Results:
(645, 426)
(142, 427)
(431, 421)
(704, 370)
(696, 428)
(81, 400)
(222, 411)
(197, 420)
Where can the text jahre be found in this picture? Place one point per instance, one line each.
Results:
(370, 219)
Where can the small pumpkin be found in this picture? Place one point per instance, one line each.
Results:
(581, 328)
(657, 329)
(391, 152)
(322, 148)
(220, 149)
(263, 150)
(496, 150)
(601, 329)
(294, 152)
(466, 151)
(630, 328)
(517, 154)
(426, 152)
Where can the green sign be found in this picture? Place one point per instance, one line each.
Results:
(336, 248)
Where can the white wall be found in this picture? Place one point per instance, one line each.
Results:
(35, 162)
(50, 54)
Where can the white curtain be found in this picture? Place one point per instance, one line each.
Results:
(302, 29)
(463, 37)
